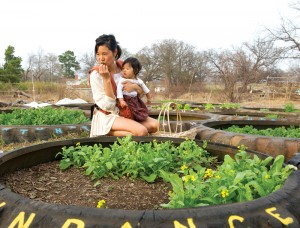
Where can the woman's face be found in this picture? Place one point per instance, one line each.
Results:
(105, 56)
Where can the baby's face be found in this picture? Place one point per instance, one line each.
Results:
(127, 71)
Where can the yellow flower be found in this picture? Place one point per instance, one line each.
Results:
(101, 204)
(208, 173)
(218, 177)
(189, 177)
(183, 167)
(78, 144)
(186, 178)
(242, 148)
(224, 193)
(267, 176)
(193, 178)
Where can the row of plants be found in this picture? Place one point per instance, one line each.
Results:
(206, 107)
(182, 107)
(211, 107)
(288, 132)
(43, 116)
(288, 107)
(196, 177)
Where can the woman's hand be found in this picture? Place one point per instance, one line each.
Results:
(129, 87)
(103, 71)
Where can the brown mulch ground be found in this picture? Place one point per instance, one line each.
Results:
(47, 183)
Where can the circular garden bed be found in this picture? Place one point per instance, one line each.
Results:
(269, 145)
(281, 208)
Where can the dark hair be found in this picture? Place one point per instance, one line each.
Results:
(110, 42)
(134, 63)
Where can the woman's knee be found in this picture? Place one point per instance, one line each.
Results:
(141, 131)
(153, 126)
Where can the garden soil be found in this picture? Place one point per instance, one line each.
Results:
(48, 183)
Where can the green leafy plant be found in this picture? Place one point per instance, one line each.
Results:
(289, 107)
(187, 107)
(192, 172)
(264, 110)
(289, 132)
(43, 116)
(135, 159)
(229, 106)
(236, 180)
(272, 116)
(209, 107)
(180, 106)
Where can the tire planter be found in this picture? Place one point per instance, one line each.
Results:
(14, 134)
(281, 208)
(272, 146)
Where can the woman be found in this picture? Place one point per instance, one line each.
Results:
(103, 79)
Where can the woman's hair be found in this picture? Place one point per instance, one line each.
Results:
(134, 63)
(110, 42)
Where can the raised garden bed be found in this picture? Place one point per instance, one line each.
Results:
(27, 125)
(278, 209)
(269, 145)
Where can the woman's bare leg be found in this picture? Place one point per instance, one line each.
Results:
(119, 133)
(123, 126)
(151, 124)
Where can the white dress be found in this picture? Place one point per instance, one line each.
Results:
(102, 123)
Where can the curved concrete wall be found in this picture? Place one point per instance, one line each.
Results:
(268, 145)
(13, 134)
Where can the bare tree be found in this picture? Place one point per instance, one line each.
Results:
(125, 54)
(150, 67)
(223, 67)
(41, 67)
(88, 60)
(36, 65)
(253, 59)
(244, 65)
(288, 33)
(27, 72)
(53, 67)
(175, 61)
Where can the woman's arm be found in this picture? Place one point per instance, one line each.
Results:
(129, 87)
(99, 91)
(104, 73)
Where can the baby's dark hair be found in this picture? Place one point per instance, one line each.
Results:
(110, 42)
(134, 63)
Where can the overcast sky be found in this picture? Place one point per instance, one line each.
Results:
(56, 26)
